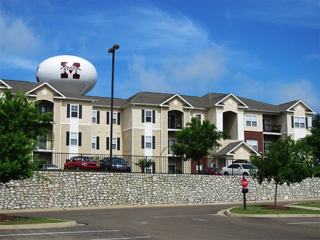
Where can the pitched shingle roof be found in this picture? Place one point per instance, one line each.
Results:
(154, 98)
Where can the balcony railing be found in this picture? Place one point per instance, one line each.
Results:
(176, 124)
(272, 128)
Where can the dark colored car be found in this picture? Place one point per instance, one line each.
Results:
(116, 165)
(82, 162)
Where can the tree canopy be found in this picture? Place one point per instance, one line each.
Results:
(196, 139)
(285, 162)
(20, 124)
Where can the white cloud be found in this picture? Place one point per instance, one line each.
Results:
(299, 89)
(313, 56)
(303, 13)
(247, 86)
(18, 43)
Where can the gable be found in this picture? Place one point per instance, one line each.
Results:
(4, 85)
(176, 101)
(231, 101)
(45, 91)
(301, 108)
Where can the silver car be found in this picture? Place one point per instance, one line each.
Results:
(244, 169)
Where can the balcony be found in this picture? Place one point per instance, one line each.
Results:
(175, 124)
(44, 144)
(272, 128)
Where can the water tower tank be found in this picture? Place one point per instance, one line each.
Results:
(71, 74)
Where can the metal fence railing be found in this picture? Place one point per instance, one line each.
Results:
(135, 163)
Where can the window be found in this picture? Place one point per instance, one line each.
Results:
(114, 143)
(170, 143)
(148, 116)
(74, 110)
(266, 146)
(94, 116)
(253, 144)
(251, 120)
(198, 115)
(93, 142)
(148, 142)
(115, 117)
(299, 122)
(73, 138)
(44, 109)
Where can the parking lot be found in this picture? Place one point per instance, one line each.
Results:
(174, 223)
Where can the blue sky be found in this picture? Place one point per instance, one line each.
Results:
(265, 50)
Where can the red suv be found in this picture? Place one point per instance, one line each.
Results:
(82, 162)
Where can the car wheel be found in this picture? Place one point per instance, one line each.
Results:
(226, 174)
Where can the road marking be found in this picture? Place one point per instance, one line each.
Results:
(199, 219)
(179, 216)
(123, 238)
(52, 233)
(296, 223)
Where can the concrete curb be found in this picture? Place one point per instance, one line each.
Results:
(40, 225)
(145, 206)
(303, 207)
(230, 214)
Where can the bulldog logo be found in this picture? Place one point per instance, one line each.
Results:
(66, 70)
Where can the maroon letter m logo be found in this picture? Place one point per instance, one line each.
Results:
(66, 70)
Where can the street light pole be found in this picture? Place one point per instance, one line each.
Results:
(112, 50)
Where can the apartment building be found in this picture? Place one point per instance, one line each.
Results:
(145, 124)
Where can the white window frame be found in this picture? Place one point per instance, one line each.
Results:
(251, 120)
(299, 122)
(115, 117)
(253, 143)
(74, 110)
(94, 143)
(114, 143)
(145, 115)
(73, 139)
(94, 116)
(169, 146)
(148, 142)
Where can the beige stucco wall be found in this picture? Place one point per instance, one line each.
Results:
(259, 127)
(242, 153)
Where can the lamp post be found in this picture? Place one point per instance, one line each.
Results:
(112, 50)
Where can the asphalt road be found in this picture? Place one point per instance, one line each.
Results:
(174, 223)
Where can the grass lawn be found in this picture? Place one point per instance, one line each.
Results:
(29, 220)
(309, 204)
(264, 209)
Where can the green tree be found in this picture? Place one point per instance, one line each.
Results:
(20, 124)
(196, 139)
(313, 140)
(285, 162)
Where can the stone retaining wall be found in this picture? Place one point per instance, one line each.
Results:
(92, 189)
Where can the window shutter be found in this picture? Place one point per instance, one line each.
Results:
(108, 144)
(118, 118)
(67, 138)
(98, 117)
(142, 115)
(118, 143)
(142, 141)
(153, 142)
(79, 139)
(98, 143)
(108, 117)
(154, 116)
(307, 123)
(292, 121)
(68, 110)
(80, 111)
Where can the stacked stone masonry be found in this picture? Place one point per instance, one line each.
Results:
(88, 189)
